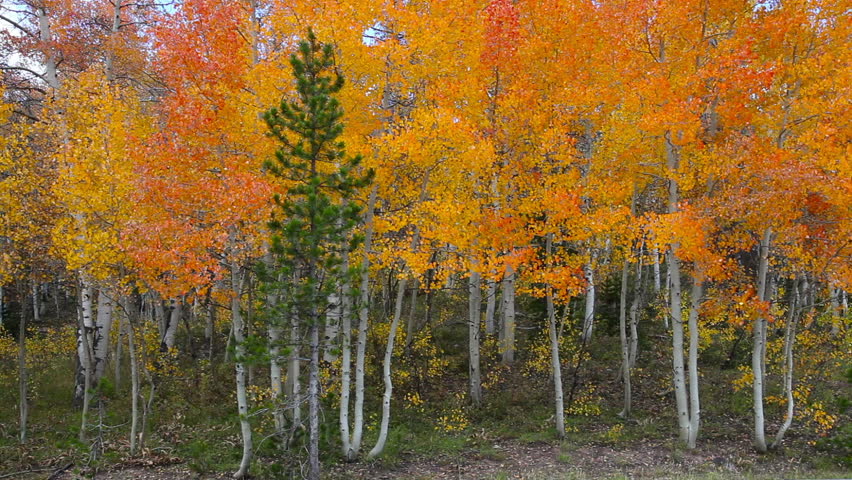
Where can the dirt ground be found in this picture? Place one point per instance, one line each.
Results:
(510, 459)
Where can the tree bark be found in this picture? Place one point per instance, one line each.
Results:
(490, 305)
(346, 359)
(589, 316)
(363, 324)
(657, 278)
(386, 372)
(635, 305)
(100, 345)
(692, 360)
(678, 380)
(758, 352)
(171, 319)
(134, 377)
(555, 362)
(625, 345)
(332, 327)
(313, 401)
(84, 342)
(789, 343)
(294, 386)
(85, 349)
(240, 370)
(508, 331)
(23, 401)
(474, 314)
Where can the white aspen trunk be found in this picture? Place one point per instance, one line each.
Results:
(275, 383)
(474, 311)
(589, 316)
(555, 362)
(844, 304)
(508, 332)
(789, 343)
(116, 24)
(758, 352)
(332, 327)
(134, 377)
(239, 357)
(363, 323)
(346, 359)
(679, 379)
(84, 341)
(638, 293)
(657, 279)
(46, 37)
(692, 361)
(625, 345)
(100, 346)
(116, 362)
(171, 322)
(23, 401)
(386, 371)
(490, 305)
(294, 385)
(273, 331)
(86, 354)
(834, 304)
(313, 401)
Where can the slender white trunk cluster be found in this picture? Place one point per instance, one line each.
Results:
(354, 445)
(758, 364)
(687, 402)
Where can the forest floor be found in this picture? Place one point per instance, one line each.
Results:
(539, 460)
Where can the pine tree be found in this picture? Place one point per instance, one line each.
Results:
(313, 222)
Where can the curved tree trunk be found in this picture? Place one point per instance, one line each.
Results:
(758, 352)
(789, 343)
(386, 373)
